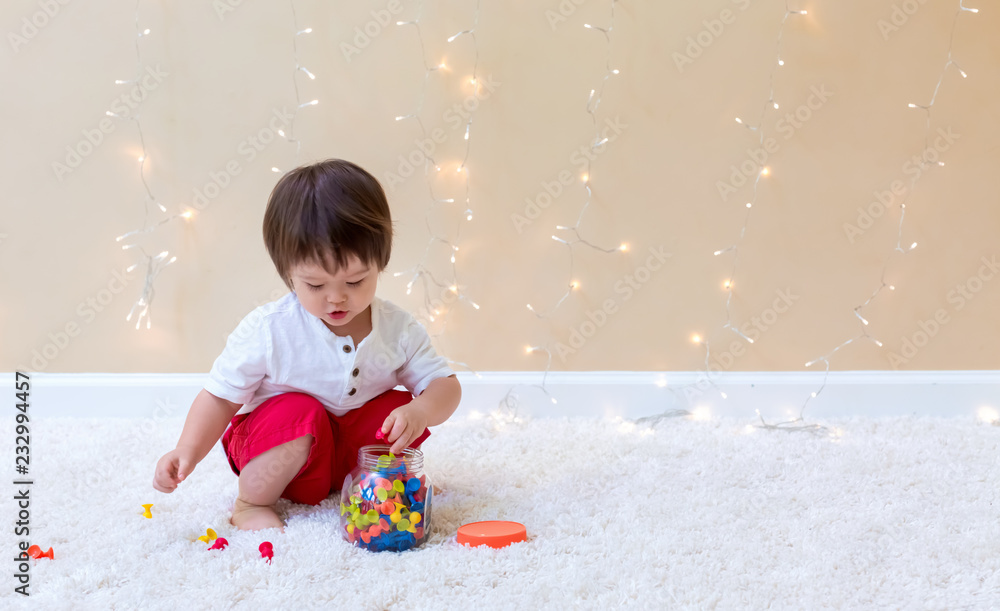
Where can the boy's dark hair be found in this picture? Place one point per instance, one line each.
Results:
(332, 209)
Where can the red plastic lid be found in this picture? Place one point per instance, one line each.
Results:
(495, 534)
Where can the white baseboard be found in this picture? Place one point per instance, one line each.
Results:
(630, 395)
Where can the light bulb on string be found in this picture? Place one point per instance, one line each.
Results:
(594, 99)
(154, 265)
(769, 104)
(297, 67)
(509, 402)
(432, 285)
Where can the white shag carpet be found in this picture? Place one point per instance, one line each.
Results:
(894, 513)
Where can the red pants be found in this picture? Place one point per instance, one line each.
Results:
(336, 439)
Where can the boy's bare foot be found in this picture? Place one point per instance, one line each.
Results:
(255, 517)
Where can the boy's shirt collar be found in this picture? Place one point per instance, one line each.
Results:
(347, 340)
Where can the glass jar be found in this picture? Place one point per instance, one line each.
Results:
(385, 503)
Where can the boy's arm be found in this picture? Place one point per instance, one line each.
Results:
(205, 424)
(439, 400)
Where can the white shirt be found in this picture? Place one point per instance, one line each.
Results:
(280, 347)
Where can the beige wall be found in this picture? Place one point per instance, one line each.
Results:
(655, 185)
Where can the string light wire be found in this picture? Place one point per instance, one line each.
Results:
(949, 61)
(153, 265)
(299, 68)
(593, 102)
(728, 285)
(507, 410)
(421, 271)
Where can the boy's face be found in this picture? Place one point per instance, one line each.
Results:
(348, 293)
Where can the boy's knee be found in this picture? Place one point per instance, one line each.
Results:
(300, 442)
(294, 451)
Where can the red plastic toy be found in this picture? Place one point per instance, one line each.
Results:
(220, 543)
(36, 552)
(266, 551)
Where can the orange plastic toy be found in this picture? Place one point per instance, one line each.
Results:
(36, 552)
(494, 534)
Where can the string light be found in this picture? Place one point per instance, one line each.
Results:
(989, 415)
(509, 402)
(657, 418)
(764, 172)
(697, 339)
(153, 269)
(153, 264)
(593, 102)
(299, 104)
(949, 61)
(702, 412)
(421, 270)
(758, 128)
(468, 125)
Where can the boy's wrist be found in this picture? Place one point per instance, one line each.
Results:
(193, 452)
(439, 400)
(427, 410)
(417, 406)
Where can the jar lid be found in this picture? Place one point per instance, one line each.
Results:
(494, 534)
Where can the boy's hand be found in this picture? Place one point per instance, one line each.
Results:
(403, 425)
(172, 468)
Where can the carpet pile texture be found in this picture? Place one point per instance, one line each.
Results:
(897, 513)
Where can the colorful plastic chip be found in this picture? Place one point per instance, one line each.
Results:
(209, 536)
(266, 551)
(220, 543)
